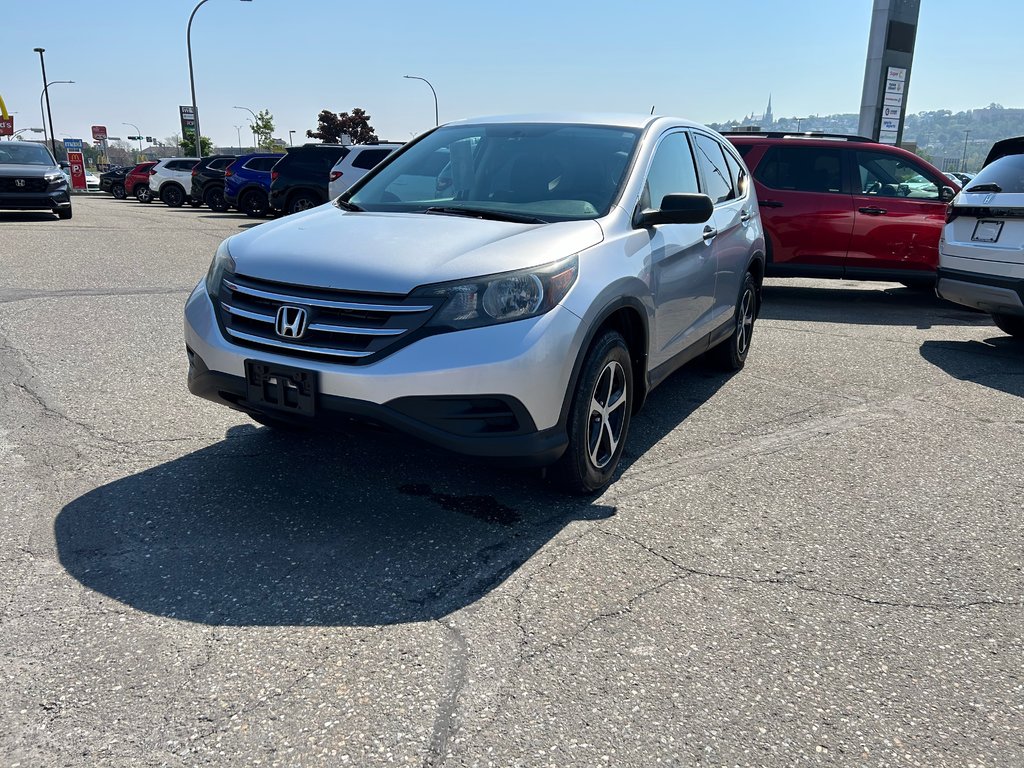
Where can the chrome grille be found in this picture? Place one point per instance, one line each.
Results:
(343, 326)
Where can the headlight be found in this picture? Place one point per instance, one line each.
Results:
(52, 177)
(222, 262)
(502, 298)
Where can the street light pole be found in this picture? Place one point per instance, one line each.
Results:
(290, 134)
(192, 79)
(414, 77)
(963, 160)
(42, 64)
(53, 139)
(252, 127)
(137, 133)
(238, 134)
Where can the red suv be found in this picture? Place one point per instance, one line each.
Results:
(136, 183)
(846, 206)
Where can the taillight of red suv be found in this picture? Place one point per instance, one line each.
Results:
(152, 171)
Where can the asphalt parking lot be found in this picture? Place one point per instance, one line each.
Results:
(815, 561)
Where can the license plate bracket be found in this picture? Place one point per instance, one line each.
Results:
(987, 231)
(281, 387)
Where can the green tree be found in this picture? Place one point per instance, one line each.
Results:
(188, 146)
(331, 127)
(263, 128)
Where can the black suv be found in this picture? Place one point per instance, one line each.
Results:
(300, 178)
(30, 179)
(112, 181)
(208, 182)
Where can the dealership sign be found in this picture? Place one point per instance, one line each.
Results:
(76, 159)
(188, 122)
(99, 133)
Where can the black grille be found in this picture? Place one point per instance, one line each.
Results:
(10, 184)
(341, 326)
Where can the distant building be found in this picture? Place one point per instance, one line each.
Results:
(764, 121)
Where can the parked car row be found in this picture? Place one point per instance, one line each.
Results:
(256, 184)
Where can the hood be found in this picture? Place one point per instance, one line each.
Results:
(27, 171)
(396, 252)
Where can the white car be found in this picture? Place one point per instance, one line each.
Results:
(171, 178)
(981, 252)
(354, 164)
(92, 182)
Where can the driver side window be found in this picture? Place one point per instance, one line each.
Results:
(672, 171)
(884, 175)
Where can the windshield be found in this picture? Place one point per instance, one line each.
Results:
(18, 153)
(538, 171)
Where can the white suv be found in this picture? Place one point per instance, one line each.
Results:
(170, 178)
(355, 164)
(566, 267)
(981, 253)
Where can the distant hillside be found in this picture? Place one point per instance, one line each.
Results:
(939, 135)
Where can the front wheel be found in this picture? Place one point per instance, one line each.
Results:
(1010, 324)
(173, 196)
(599, 417)
(731, 354)
(214, 200)
(117, 190)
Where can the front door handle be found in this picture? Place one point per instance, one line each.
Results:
(770, 203)
(873, 211)
(709, 232)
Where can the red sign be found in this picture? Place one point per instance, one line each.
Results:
(99, 133)
(7, 125)
(77, 162)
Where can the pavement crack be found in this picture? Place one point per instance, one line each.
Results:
(788, 582)
(455, 680)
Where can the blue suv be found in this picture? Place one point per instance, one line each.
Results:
(247, 183)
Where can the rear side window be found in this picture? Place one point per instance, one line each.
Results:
(315, 159)
(262, 163)
(221, 162)
(801, 169)
(716, 171)
(369, 158)
(1007, 173)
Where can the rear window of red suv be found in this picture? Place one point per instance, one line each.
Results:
(801, 169)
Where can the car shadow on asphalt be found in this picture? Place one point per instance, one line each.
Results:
(872, 306)
(997, 363)
(355, 528)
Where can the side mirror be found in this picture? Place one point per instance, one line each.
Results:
(679, 208)
(946, 194)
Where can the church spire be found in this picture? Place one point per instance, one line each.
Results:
(769, 118)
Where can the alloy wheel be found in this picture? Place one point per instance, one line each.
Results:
(607, 414)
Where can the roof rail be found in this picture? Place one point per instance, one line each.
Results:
(799, 135)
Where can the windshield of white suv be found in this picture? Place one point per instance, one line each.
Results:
(23, 153)
(531, 172)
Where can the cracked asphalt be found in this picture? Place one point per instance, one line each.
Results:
(817, 561)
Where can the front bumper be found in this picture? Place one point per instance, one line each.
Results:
(35, 201)
(496, 392)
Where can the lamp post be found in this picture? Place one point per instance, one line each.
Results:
(238, 134)
(963, 159)
(414, 77)
(191, 76)
(290, 134)
(45, 92)
(22, 130)
(137, 133)
(252, 127)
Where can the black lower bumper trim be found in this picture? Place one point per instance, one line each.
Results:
(535, 448)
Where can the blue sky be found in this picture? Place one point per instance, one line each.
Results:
(708, 61)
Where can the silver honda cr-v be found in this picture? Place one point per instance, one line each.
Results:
(506, 287)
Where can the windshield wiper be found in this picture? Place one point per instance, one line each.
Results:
(989, 187)
(477, 213)
(346, 206)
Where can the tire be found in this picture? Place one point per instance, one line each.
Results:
(253, 203)
(214, 200)
(598, 418)
(172, 195)
(117, 190)
(731, 354)
(64, 213)
(302, 201)
(1010, 324)
(143, 193)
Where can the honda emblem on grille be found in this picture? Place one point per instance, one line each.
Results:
(19, 182)
(291, 322)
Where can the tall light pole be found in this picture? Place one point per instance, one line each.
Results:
(414, 77)
(191, 76)
(238, 133)
(963, 160)
(290, 134)
(137, 133)
(45, 92)
(42, 64)
(253, 126)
